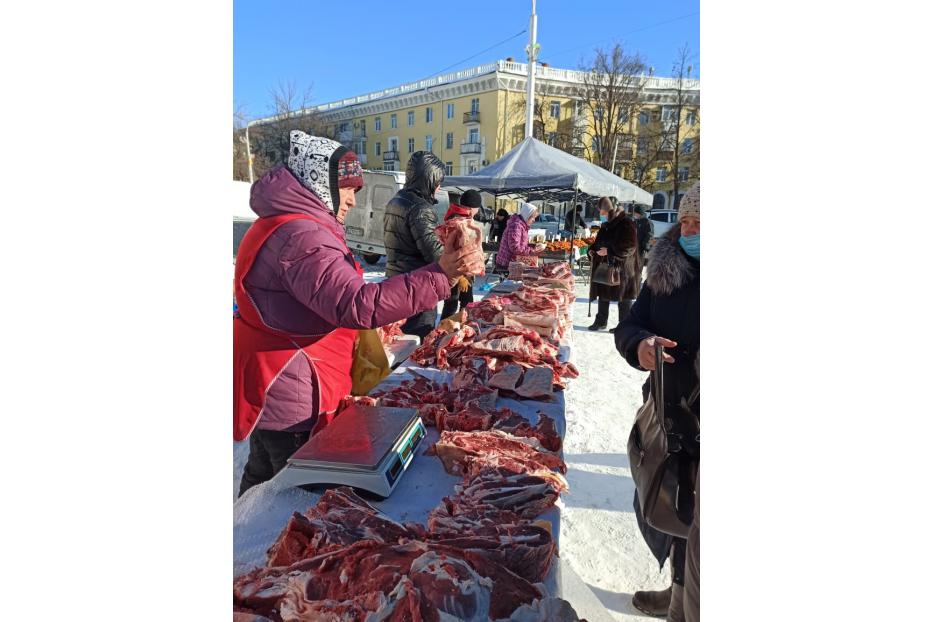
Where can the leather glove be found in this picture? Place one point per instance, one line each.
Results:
(463, 284)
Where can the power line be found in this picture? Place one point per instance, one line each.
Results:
(460, 62)
(625, 34)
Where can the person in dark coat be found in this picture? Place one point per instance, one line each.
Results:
(617, 243)
(668, 311)
(497, 229)
(462, 293)
(574, 219)
(410, 220)
(644, 228)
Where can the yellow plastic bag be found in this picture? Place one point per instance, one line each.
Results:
(370, 364)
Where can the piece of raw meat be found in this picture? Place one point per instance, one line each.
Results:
(537, 382)
(464, 451)
(453, 518)
(525, 549)
(545, 430)
(340, 518)
(462, 234)
(389, 333)
(507, 377)
(526, 495)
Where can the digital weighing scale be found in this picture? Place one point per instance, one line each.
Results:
(366, 447)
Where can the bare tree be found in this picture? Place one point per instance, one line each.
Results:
(291, 110)
(680, 130)
(613, 83)
(240, 157)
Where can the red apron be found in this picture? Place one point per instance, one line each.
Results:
(260, 352)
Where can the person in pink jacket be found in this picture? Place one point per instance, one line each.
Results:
(515, 239)
(303, 281)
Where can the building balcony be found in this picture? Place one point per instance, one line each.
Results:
(389, 156)
(470, 148)
(471, 117)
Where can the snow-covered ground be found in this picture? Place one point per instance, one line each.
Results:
(599, 537)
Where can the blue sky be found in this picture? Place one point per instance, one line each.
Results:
(342, 49)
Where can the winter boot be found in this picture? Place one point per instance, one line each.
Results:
(675, 613)
(654, 604)
(624, 307)
(602, 316)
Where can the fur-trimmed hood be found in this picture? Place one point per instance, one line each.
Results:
(669, 268)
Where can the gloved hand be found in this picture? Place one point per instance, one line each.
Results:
(463, 284)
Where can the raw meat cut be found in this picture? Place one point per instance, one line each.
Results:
(525, 549)
(339, 518)
(464, 451)
(526, 495)
(389, 333)
(463, 234)
(537, 382)
(545, 430)
(453, 518)
(506, 378)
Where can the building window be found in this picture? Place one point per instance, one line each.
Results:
(389, 166)
(449, 167)
(411, 118)
(552, 138)
(555, 110)
(656, 115)
(680, 195)
(668, 113)
(472, 167)
(659, 201)
(428, 143)
(642, 146)
(596, 144)
(362, 127)
(639, 171)
(450, 111)
(643, 117)
(474, 105)
(428, 115)
(378, 149)
(474, 136)
(393, 145)
(378, 124)
(362, 148)
(687, 146)
(393, 121)
(683, 173)
(623, 115)
(578, 108)
(691, 118)
(411, 145)
(343, 127)
(450, 140)
(660, 174)
(598, 113)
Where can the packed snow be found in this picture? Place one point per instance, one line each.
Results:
(599, 538)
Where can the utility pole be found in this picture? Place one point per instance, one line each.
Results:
(532, 51)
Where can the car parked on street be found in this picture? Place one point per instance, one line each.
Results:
(662, 220)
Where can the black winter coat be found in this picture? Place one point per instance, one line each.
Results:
(619, 237)
(645, 231)
(410, 218)
(668, 306)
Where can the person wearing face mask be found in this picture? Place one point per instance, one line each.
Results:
(668, 311)
(515, 238)
(617, 243)
(301, 299)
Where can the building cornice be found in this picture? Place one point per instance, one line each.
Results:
(501, 74)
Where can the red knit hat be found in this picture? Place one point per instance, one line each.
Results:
(349, 171)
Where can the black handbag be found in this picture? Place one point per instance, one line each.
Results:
(664, 456)
(608, 272)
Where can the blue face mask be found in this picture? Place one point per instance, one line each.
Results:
(603, 218)
(691, 245)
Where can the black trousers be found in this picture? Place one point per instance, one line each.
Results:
(420, 324)
(456, 296)
(269, 452)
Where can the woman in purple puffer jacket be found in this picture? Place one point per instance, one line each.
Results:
(301, 297)
(515, 239)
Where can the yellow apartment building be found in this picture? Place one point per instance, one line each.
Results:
(472, 117)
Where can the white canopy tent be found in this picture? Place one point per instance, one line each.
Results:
(533, 169)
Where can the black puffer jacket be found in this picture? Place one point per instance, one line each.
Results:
(410, 218)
